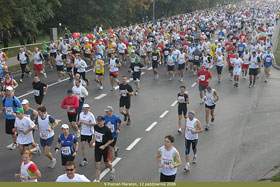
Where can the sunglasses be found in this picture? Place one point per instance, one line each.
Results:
(69, 169)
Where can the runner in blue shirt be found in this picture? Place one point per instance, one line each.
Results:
(10, 105)
(68, 144)
(114, 123)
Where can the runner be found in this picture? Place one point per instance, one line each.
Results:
(10, 105)
(23, 128)
(70, 64)
(71, 176)
(8, 81)
(68, 144)
(22, 58)
(46, 124)
(40, 90)
(99, 72)
(211, 98)
(268, 59)
(103, 139)
(28, 169)
(170, 59)
(81, 66)
(155, 62)
(253, 71)
(53, 48)
(126, 92)
(204, 77)
(192, 128)
(3, 58)
(168, 159)
(197, 57)
(60, 64)
(220, 59)
(182, 59)
(82, 93)
(31, 114)
(136, 68)
(182, 100)
(45, 52)
(231, 56)
(87, 121)
(38, 63)
(113, 67)
(237, 63)
(71, 105)
(114, 123)
(245, 65)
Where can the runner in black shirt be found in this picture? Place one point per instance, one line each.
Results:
(166, 52)
(103, 138)
(136, 68)
(182, 100)
(125, 92)
(40, 90)
(155, 62)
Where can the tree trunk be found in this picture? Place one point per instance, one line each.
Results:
(20, 38)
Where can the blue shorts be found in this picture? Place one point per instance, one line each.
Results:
(202, 88)
(47, 142)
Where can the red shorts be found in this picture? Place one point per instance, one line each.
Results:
(38, 67)
(245, 66)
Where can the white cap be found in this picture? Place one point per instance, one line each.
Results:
(130, 43)
(216, 41)
(99, 57)
(65, 126)
(219, 44)
(9, 88)
(132, 51)
(24, 102)
(86, 106)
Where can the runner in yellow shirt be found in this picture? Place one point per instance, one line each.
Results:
(99, 72)
(88, 56)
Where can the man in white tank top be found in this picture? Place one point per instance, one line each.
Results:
(211, 99)
(192, 128)
(168, 159)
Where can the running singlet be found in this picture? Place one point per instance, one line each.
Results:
(191, 126)
(167, 158)
(210, 98)
(67, 145)
(28, 170)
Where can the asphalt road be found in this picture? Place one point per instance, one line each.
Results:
(242, 145)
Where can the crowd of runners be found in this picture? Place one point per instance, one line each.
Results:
(238, 37)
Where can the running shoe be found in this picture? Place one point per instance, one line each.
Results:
(30, 74)
(194, 159)
(180, 130)
(14, 146)
(96, 180)
(207, 127)
(83, 163)
(116, 151)
(212, 119)
(250, 85)
(125, 117)
(53, 163)
(10, 145)
(45, 75)
(187, 168)
(112, 174)
(38, 150)
(20, 80)
(128, 122)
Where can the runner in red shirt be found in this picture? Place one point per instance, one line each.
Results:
(231, 55)
(204, 77)
(71, 104)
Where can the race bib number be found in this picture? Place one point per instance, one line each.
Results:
(132, 60)
(202, 77)
(37, 92)
(268, 59)
(196, 57)
(136, 68)
(44, 135)
(123, 93)
(154, 58)
(166, 53)
(98, 67)
(77, 94)
(98, 137)
(9, 110)
(240, 48)
(65, 150)
(181, 99)
(166, 163)
(234, 41)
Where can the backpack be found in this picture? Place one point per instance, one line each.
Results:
(14, 102)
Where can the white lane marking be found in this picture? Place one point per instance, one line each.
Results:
(133, 144)
(102, 175)
(193, 85)
(174, 103)
(100, 96)
(150, 68)
(211, 66)
(131, 79)
(142, 73)
(151, 126)
(163, 114)
(116, 87)
(25, 95)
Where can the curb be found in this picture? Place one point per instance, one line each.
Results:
(276, 66)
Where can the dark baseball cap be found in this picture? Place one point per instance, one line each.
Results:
(100, 118)
(69, 91)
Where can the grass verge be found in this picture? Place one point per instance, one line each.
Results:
(276, 178)
(277, 52)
